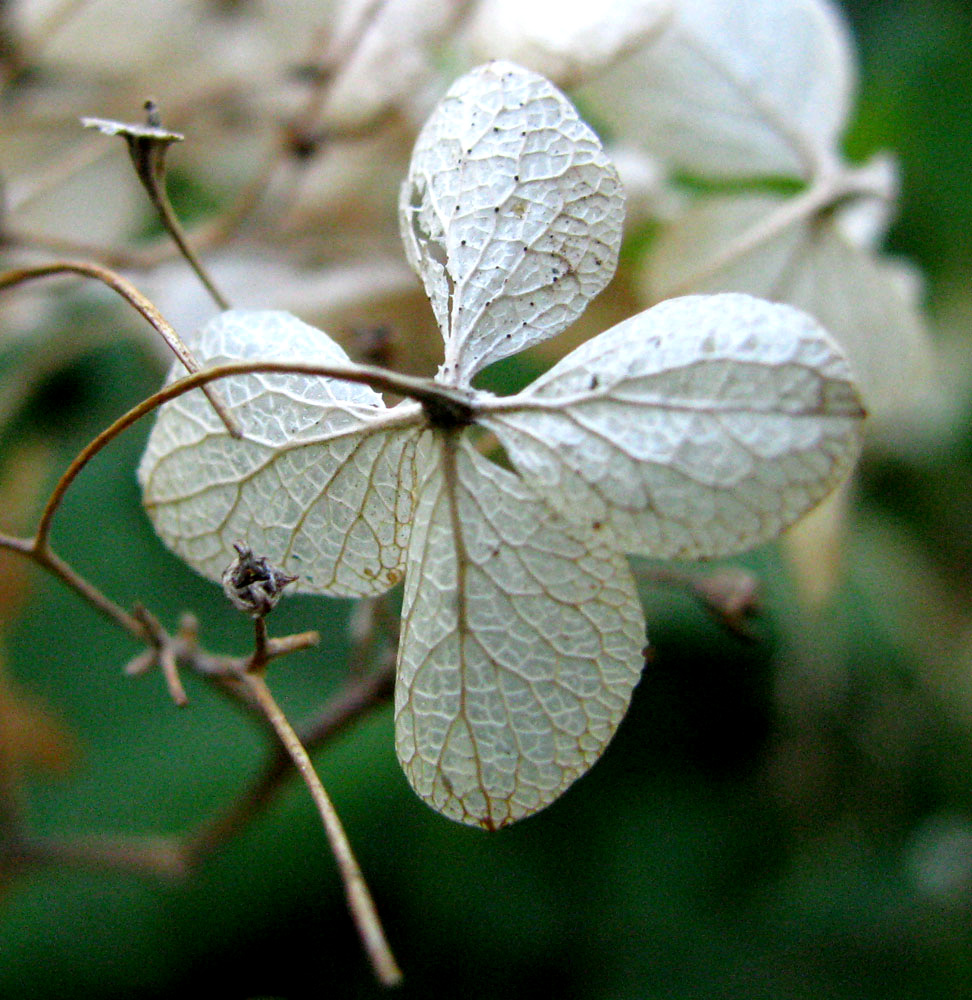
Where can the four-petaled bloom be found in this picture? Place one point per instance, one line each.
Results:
(698, 428)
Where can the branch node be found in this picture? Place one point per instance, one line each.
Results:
(163, 653)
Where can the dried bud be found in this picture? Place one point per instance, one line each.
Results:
(373, 345)
(252, 584)
(147, 144)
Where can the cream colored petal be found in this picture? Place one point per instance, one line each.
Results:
(511, 213)
(811, 263)
(521, 643)
(701, 427)
(737, 89)
(320, 484)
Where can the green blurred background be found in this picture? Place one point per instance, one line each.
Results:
(785, 817)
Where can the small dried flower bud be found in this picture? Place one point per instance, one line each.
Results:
(147, 144)
(252, 584)
(373, 345)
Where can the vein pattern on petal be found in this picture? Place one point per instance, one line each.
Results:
(321, 483)
(701, 427)
(511, 213)
(521, 643)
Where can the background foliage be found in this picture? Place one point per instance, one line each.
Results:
(790, 816)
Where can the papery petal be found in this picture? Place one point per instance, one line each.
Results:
(701, 427)
(728, 90)
(320, 484)
(521, 643)
(511, 213)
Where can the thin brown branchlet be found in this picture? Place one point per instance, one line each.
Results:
(253, 585)
(256, 586)
(148, 146)
(138, 301)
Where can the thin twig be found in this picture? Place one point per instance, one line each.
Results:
(359, 899)
(182, 651)
(423, 390)
(165, 654)
(160, 201)
(144, 306)
(825, 192)
(148, 147)
(358, 697)
(25, 546)
(377, 378)
(43, 556)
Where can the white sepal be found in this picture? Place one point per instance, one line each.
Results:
(521, 643)
(812, 263)
(701, 427)
(566, 42)
(737, 89)
(511, 213)
(320, 484)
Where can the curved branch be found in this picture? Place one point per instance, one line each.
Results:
(137, 301)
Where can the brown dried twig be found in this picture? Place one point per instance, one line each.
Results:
(140, 303)
(255, 586)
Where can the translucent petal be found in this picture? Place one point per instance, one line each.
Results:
(321, 483)
(565, 42)
(809, 263)
(384, 53)
(511, 213)
(701, 427)
(521, 643)
(737, 89)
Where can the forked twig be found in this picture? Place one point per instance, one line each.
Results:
(242, 676)
(38, 548)
(358, 696)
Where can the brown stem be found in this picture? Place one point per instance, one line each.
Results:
(144, 306)
(378, 378)
(356, 699)
(43, 556)
(422, 390)
(359, 899)
(160, 201)
(164, 651)
(25, 546)
(156, 855)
